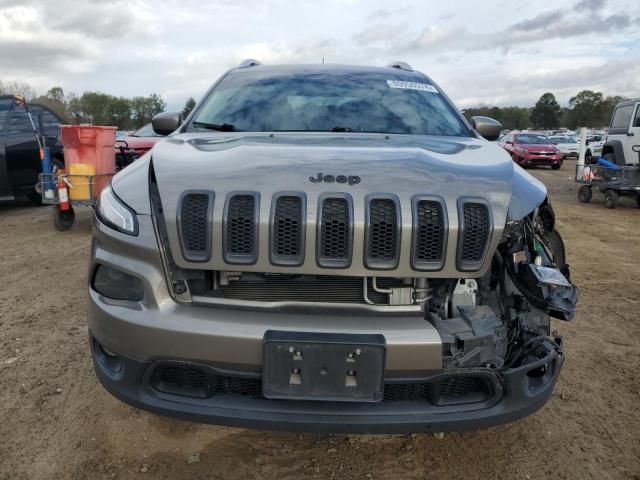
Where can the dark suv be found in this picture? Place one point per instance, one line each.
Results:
(20, 161)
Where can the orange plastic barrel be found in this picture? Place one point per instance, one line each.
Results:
(90, 145)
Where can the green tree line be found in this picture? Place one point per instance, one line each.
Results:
(587, 109)
(95, 107)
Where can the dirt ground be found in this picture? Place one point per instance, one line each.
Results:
(56, 421)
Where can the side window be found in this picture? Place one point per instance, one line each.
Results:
(636, 121)
(621, 118)
(50, 121)
(19, 122)
(5, 106)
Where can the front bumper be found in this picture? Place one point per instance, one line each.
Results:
(130, 340)
(539, 160)
(517, 393)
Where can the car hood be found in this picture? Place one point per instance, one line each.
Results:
(453, 169)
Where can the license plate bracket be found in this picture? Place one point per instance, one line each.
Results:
(323, 366)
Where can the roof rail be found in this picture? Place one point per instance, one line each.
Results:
(400, 66)
(249, 62)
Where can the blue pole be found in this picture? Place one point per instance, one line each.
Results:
(48, 184)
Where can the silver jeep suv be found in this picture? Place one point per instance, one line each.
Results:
(328, 248)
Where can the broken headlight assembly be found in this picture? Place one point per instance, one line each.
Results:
(533, 256)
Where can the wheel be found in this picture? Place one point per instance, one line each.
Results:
(611, 198)
(63, 220)
(585, 194)
(638, 200)
(556, 166)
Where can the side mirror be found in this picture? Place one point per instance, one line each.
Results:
(166, 122)
(509, 142)
(487, 127)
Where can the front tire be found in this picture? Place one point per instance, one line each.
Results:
(584, 194)
(63, 219)
(556, 166)
(611, 199)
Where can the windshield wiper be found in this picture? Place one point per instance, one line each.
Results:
(341, 129)
(224, 127)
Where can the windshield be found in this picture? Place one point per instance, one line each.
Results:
(324, 101)
(532, 139)
(146, 131)
(557, 140)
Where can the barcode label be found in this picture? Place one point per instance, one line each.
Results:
(425, 87)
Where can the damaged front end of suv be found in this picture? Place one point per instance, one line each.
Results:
(349, 257)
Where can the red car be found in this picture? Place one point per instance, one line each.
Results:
(142, 140)
(532, 149)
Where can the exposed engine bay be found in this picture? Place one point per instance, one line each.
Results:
(498, 321)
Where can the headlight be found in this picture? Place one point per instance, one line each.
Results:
(115, 214)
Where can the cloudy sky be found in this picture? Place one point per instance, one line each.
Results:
(504, 52)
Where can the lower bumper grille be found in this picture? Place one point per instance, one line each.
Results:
(203, 382)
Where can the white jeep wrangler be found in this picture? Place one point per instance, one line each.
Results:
(624, 134)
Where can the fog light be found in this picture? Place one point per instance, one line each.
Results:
(115, 284)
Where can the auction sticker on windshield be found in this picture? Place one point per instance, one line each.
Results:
(425, 87)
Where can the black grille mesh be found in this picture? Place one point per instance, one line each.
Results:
(461, 386)
(194, 218)
(287, 225)
(184, 377)
(399, 392)
(193, 381)
(429, 232)
(476, 232)
(335, 231)
(203, 382)
(383, 230)
(241, 235)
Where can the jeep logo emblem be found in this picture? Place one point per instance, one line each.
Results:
(321, 177)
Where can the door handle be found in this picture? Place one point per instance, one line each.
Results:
(630, 134)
